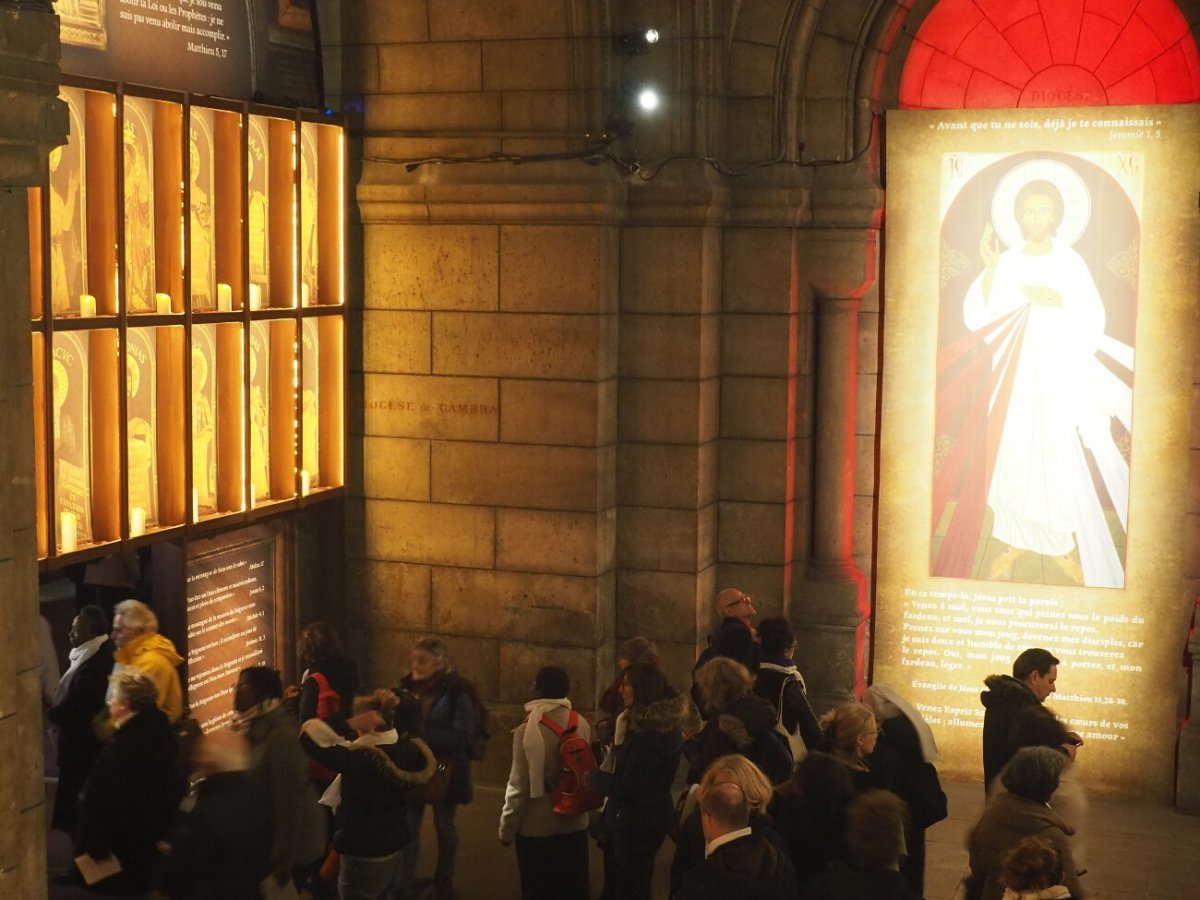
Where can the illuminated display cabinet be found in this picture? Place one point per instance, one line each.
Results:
(199, 250)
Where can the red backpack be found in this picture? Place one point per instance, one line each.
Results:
(329, 702)
(571, 795)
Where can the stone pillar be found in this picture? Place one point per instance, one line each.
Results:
(669, 419)
(832, 615)
(837, 387)
(32, 121)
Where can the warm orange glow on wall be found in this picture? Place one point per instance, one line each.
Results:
(1031, 53)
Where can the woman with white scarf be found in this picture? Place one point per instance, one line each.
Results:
(552, 851)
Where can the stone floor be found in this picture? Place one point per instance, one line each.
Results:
(1135, 851)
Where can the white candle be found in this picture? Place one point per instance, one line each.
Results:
(67, 538)
(305, 484)
(163, 303)
(195, 505)
(87, 306)
(224, 298)
(253, 495)
(137, 521)
(256, 296)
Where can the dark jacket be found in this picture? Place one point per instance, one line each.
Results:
(342, 675)
(899, 764)
(1014, 718)
(739, 729)
(639, 788)
(812, 827)
(280, 766)
(78, 746)
(221, 849)
(375, 780)
(448, 727)
(131, 797)
(774, 679)
(734, 639)
(844, 882)
(689, 846)
(748, 868)
(1006, 821)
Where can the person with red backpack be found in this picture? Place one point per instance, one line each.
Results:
(546, 803)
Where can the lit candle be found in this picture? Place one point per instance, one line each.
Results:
(195, 505)
(66, 532)
(253, 495)
(304, 483)
(224, 298)
(256, 296)
(87, 306)
(137, 521)
(163, 303)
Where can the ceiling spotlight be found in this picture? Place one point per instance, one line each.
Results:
(647, 99)
(638, 41)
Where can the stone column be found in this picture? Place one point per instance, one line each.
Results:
(32, 121)
(831, 613)
(833, 490)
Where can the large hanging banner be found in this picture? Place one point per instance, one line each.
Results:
(1039, 334)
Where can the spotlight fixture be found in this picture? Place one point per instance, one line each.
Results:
(638, 41)
(647, 98)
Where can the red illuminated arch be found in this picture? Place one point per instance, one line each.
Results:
(1026, 53)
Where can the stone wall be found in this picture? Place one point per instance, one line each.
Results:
(587, 391)
(32, 121)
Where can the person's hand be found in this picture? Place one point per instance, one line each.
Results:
(506, 842)
(989, 247)
(366, 722)
(291, 692)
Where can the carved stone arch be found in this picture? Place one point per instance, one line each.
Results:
(889, 93)
(825, 74)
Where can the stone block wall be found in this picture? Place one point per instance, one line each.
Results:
(587, 396)
(32, 121)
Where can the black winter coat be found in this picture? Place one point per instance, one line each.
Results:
(690, 845)
(639, 788)
(797, 711)
(375, 781)
(449, 727)
(1014, 718)
(748, 868)
(735, 730)
(131, 797)
(221, 850)
(78, 746)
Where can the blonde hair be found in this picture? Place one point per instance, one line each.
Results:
(723, 681)
(134, 687)
(842, 726)
(137, 616)
(736, 769)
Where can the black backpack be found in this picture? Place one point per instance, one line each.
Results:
(771, 753)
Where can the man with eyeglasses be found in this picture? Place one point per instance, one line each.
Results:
(735, 636)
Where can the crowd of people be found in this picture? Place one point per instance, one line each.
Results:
(319, 788)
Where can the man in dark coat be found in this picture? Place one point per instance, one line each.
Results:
(738, 862)
(78, 698)
(1014, 716)
(135, 788)
(734, 637)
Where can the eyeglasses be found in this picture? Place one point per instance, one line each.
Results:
(745, 598)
